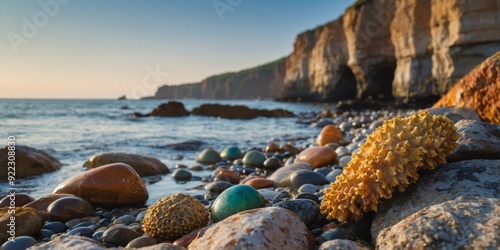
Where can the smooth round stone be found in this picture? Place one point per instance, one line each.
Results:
(119, 235)
(104, 221)
(208, 156)
(46, 233)
(308, 188)
(272, 147)
(324, 170)
(182, 175)
(142, 241)
(82, 231)
(342, 151)
(272, 163)
(179, 166)
(301, 177)
(309, 196)
(107, 215)
(374, 125)
(217, 186)
(306, 209)
(329, 134)
(333, 175)
(247, 170)
(97, 235)
(344, 160)
(127, 219)
(82, 224)
(317, 156)
(332, 145)
(140, 216)
(20, 199)
(345, 126)
(259, 183)
(234, 200)
(72, 223)
(352, 146)
(21, 242)
(227, 175)
(196, 168)
(67, 208)
(336, 233)
(254, 158)
(55, 226)
(231, 153)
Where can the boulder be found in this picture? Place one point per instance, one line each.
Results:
(478, 90)
(143, 165)
(478, 180)
(27, 222)
(478, 140)
(238, 112)
(70, 242)
(28, 162)
(111, 185)
(170, 109)
(261, 228)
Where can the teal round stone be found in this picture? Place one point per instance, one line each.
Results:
(231, 153)
(234, 200)
(254, 158)
(208, 156)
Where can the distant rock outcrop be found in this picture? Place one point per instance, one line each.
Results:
(238, 112)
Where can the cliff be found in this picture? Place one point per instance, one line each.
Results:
(261, 82)
(405, 49)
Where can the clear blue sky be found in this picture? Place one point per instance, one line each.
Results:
(105, 49)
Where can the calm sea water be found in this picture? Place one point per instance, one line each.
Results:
(74, 130)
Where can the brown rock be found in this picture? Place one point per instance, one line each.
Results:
(261, 228)
(238, 112)
(27, 222)
(170, 109)
(329, 134)
(71, 242)
(115, 184)
(478, 90)
(68, 208)
(18, 200)
(143, 165)
(290, 148)
(259, 183)
(318, 156)
(28, 162)
(227, 175)
(272, 148)
(43, 203)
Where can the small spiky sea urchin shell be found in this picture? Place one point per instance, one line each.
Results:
(174, 216)
(389, 160)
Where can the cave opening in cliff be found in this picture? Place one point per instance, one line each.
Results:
(382, 81)
(346, 87)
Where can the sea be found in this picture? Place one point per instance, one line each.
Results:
(75, 130)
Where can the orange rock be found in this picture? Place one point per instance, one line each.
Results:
(272, 147)
(114, 184)
(248, 178)
(329, 134)
(478, 90)
(318, 156)
(259, 183)
(228, 175)
(41, 204)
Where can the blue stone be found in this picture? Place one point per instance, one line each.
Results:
(236, 199)
(21, 242)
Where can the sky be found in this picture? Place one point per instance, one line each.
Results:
(106, 49)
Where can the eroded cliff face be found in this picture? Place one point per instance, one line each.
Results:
(408, 49)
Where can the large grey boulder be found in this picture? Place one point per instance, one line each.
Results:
(478, 140)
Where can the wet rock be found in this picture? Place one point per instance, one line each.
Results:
(343, 244)
(309, 196)
(143, 165)
(217, 186)
(29, 162)
(345, 160)
(308, 188)
(336, 233)
(142, 241)
(262, 228)
(189, 145)
(282, 175)
(455, 113)
(208, 156)
(21, 242)
(234, 200)
(119, 235)
(170, 109)
(55, 226)
(227, 175)
(17, 200)
(238, 112)
(71, 242)
(332, 176)
(67, 208)
(317, 156)
(476, 179)
(182, 175)
(259, 183)
(254, 158)
(27, 222)
(478, 140)
(324, 170)
(114, 185)
(272, 163)
(301, 177)
(329, 134)
(272, 148)
(306, 209)
(231, 153)
(82, 231)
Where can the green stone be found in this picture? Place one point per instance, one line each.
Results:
(254, 158)
(208, 156)
(236, 199)
(231, 153)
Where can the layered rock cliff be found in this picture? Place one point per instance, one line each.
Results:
(408, 49)
(261, 82)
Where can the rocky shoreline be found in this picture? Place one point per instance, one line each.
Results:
(270, 197)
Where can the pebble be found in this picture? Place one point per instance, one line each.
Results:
(142, 241)
(342, 151)
(272, 163)
(306, 209)
(182, 175)
(272, 148)
(259, 183)
(309, 196)
(236, 199)
(227, 175)
(72, 223)
(301, 177)
(125, 219)
(332, 176)
(329, 134)
(324, 170)
(20, 199)
(336, 233)
(208, 156)
(217, 186)
(55, 226)
(82, 231)
(67, 208)
(119, 235)
(254, 158)
(231, 153)
(46, 233)
(20, 242)
(344, 160)
(317, 156)
(308, 188)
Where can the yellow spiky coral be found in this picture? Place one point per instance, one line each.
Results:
(389, 160)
